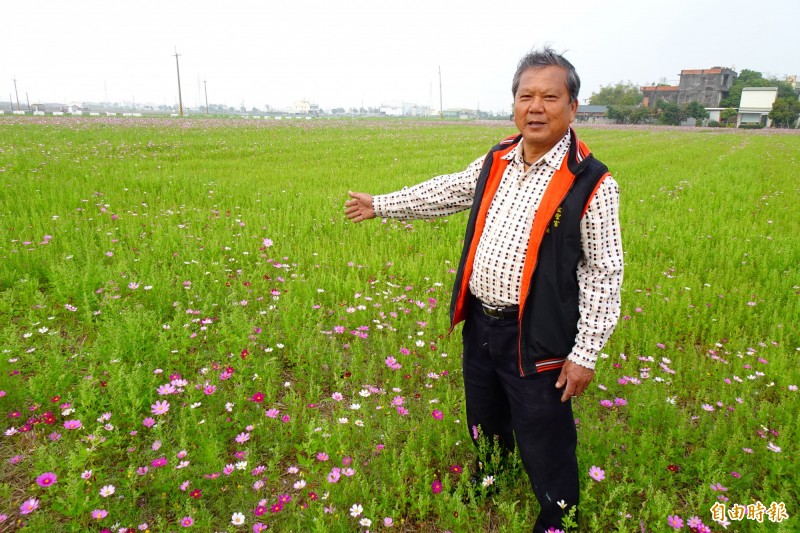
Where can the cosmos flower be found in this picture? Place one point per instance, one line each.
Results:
(597, 473)
(46, 479)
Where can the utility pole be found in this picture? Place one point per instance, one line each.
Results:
(180, 97)
(205, 88)
(441, 109)
(16, 93)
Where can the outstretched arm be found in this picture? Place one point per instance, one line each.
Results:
(359, 207)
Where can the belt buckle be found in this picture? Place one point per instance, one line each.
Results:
(493, 312)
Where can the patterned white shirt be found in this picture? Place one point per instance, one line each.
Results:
(500, 254)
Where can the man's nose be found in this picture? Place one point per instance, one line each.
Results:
(536, 105)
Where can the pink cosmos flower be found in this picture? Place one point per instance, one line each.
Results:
(99, 514)
(597, 473)
(607, 403)
(46, 479)
(243, 437)
(273, 413)
(258, 527)
(322, 456)
(160, 407)
(159, 462)
(72, 424)
(675, 521)
(694, 522)
(187, 521)
(29, 506)
(148, 422)
(437, 414)
(165, 389)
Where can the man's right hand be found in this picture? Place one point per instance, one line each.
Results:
(359, 207)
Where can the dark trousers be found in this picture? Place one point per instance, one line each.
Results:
(503, 404)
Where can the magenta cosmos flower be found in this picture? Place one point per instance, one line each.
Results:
(46, 479)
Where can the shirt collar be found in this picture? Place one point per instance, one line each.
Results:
(553, 158)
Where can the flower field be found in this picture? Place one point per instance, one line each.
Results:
(193, 337)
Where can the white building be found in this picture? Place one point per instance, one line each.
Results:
(304, 107)
(755, 105)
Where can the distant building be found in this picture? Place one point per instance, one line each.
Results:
(304, 107)
(592, 114)
(461, 114)
(705, 86)
(655, 93)
(404, 109)
(755, 105)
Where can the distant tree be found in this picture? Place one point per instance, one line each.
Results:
(621, 94)
(785, 112)
(628, 114)
(639, 114)
(668, 113)
(727, 116)
(695, 110)
(753, 78)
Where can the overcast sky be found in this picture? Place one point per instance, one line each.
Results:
(353, 52)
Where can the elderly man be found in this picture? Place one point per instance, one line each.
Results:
(539, 279)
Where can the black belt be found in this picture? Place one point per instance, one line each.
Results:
(504, 313)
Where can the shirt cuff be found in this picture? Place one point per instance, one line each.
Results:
(583, 359)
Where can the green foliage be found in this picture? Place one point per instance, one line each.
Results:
(669, 113)
(785, 112)
(728, 116)
(619, 95)
(629, 115)
(695, 110)
(752, 78)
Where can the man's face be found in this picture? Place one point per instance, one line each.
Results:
(542, 109)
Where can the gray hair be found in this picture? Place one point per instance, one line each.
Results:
(547, 57)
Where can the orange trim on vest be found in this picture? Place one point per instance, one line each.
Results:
(591, 196)
(556, 191)
(492, 183)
